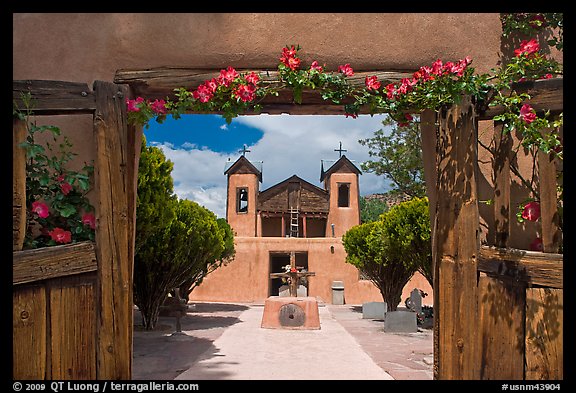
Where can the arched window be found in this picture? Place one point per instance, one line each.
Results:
(343, 194)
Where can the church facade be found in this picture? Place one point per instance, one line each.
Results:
(293, 217)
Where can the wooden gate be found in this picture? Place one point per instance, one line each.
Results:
(498, 311)
(72, 304)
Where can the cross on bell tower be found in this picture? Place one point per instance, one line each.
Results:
(340, 150)
(244, 151)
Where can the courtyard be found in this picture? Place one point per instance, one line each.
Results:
(225, 341)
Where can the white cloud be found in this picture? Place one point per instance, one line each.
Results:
(224, 127)
(296, 144)
(291, 145)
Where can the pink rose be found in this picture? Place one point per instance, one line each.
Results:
(390, 90)
(252, 78)
(132, 105)
(372, 82)
(437, 67)
(245, 92)
(527, 48)
(211, 85)
(527, 113)
(89, 219)
(203, 94)
(227, 76)
(346, 70)
(158, 106)
(316, 66)
(41, 209)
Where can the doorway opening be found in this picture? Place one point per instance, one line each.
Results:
(278, 261)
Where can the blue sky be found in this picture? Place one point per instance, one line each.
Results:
(200, 145)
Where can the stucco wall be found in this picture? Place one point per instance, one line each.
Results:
(246, 278)
(244, 224)
(84, 47)
(343, 218)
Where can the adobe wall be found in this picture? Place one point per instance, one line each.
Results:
(244, 224)
(343, 218)
(85, 47)
(246, 278)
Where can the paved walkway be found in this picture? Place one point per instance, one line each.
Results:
(225, 342)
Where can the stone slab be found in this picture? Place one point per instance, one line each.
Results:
(301, 291)
(299, 313)
(400, 322)
(374, 310)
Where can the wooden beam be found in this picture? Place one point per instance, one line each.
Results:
(545, 94)
(51, 262)
(160, 83)
(19, 134)
(456, 244)
(166, 79)
(55, 97)
(113, 186)
(532, 267)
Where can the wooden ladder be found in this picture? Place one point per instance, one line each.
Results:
(294, 222)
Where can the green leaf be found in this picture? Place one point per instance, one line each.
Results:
(66, 210)
(44, 179)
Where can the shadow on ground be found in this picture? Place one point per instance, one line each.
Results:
(163, 355)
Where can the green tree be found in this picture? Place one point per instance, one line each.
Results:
(371, 209)
(397, 156)
(182, 243)
(407, 229)
(221, 256)
(156, 198)
(389, 251)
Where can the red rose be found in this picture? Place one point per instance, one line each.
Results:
(59, 235)
(531, 211)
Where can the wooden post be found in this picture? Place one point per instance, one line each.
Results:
(551, 235)
(18, 184)
(501, 168)
(304, 226)
(294, 278)
(428, 129)
(283, 231)
(114, 184)
(456, 245)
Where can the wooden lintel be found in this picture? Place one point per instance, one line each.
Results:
(169, 78)
(160, 83)
(55, 97)
(545, 94)
(51, 262)
(532, 267)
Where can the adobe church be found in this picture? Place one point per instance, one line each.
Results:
(292, 217)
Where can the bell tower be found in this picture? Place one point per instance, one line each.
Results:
(243, 188)
(341, 181)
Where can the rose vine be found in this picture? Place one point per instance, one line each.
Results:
(430, 87)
